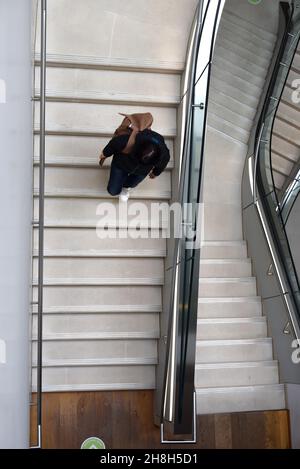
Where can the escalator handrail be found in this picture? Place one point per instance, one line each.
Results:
(184, 295)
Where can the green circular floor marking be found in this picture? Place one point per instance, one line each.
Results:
(254, 2)
(93, 443)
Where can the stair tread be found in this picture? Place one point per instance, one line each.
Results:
(99, 335)
(226, 260)
(102, 253)
(98, 309)
(226, 279)
(112, 63)
(265, 35)
(258, 387)
(238, 320)
(216, 342)
(228, 299)
(99, 362)
(259, 364)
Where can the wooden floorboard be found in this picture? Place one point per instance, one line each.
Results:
(124, 420)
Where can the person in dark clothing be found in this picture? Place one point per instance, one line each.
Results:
(149, 156)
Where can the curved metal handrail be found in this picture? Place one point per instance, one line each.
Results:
(264, 194)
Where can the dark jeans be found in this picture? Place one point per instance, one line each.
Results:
(119, 178)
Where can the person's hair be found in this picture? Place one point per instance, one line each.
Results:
(147, 153)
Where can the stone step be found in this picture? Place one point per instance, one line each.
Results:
(231, 328)
(249, 27)
(282, 165)
(286, 130)
(236, 374)
(75, 242)
(240, 399)
(234, 69)
(88, 298)
(246, 37)
(233, 104)
(232, 350)
(228, 128)
(108, 324)
(98, 118)
(94, 270)
(289, 113)
(81, 162)
(240, 61)
(111, 85)
(216, 287)
(89, 213)
(87, 181)
(224, 250)
(234, 87)
(225, 267)
(123, 64)
(96, 378)
(239, 49)
(88, 352)
(235, 307)
(285, 148)
(239, 120)
(60, 148)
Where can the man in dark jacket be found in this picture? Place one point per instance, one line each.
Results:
(149, 156)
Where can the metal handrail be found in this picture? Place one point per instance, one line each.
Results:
(256, 184)
(186, 267)
(41, 221)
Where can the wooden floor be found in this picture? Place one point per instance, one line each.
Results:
(124, 420)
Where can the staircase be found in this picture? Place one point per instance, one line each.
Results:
(235, 369)
(102, 297)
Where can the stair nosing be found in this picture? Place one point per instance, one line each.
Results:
(225, 243)
(108, 253)
(219, 389)
(249, 364)
(232, 320)
(260, 70)
(215, 76)
(91, 132)
(230, 14)
(79, 162)
(100, 309)
(246, 120)
(238, 70)
(231, 98)
(160, 195)
(244, 133)
(227, 279)
(229, 342)
(268, 47)
(66, 336)
(99, 63)
(228, 299)
(88, 97)
(98, 362)
(101, 281)
(95, 387)
(226, 260)
(264, 62)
